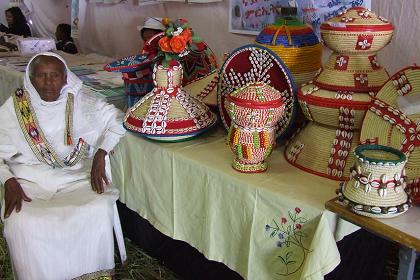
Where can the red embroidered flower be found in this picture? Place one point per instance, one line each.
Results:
(186, 34)
(298, 226)
(283, 220)
(297, 209)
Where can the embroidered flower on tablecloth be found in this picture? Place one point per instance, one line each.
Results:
(290, 235)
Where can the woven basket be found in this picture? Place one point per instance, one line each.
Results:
(204, 89)
(168, 113)
(329, 107)
(322, 150)
(357, 73)
(254, 63)
(377, 182)
(356, 30)
(296, 44)
(386, 124)
(254, 110)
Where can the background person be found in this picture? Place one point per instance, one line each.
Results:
(65, 42)
(16, 22)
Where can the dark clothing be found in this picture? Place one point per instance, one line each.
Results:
(21, 30)
(67, 46)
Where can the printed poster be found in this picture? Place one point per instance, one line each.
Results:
(251, 16)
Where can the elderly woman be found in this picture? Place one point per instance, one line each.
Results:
(59, 206)
(16, 22)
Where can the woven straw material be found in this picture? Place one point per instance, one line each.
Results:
(347, 42)
(358, 16)
(357, 192)
(356, 30)
(310, 150)
(393, 128)
(296, 44)
(204, 89)
(358, 73)
(168, 111)
(323, 106)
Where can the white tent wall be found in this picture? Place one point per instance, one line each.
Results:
(110, 29)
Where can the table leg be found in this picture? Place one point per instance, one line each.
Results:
(407, 257)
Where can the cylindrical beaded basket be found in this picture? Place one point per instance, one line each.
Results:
(254, 111)
(296, 44)
(168, 113)
(338, 98)
(376, 187)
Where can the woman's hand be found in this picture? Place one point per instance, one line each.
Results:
(13, 196)
(97, 174)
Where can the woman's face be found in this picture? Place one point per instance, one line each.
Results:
(9, 18)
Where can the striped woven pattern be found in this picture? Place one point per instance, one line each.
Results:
(386, 124)
(296, 44)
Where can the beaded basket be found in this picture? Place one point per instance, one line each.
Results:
(338, 98)
(356, 30)
(377, 183)
(296, 44)
(254, 110)
(254, 63)
(386, 124)
(168, 113)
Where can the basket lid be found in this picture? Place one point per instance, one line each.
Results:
(129, 64)
(256, 95)
(357, 19)
(289, 33)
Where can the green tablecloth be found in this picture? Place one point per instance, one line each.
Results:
(264, 226)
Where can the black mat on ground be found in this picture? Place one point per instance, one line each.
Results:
(183, 259)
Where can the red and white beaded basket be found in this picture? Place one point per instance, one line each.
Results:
(254, 110)
(168, 113)
(386, 124)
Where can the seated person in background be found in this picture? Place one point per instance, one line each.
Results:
(16, 22)
(150, 27)
(53, 144)
(64, 40)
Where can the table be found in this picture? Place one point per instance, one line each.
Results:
(404, 229)
(271, 225)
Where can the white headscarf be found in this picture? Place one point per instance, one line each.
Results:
(73, 85)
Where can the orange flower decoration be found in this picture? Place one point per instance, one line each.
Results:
(186, 34)
(164, 44)
(178, 44)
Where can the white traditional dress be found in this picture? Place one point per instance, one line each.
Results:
(65, 232)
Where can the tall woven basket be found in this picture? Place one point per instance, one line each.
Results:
(337, 99)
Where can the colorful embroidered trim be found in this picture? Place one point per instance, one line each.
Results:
(35, 137)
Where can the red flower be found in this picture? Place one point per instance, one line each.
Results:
(178, 44)
(298, 226)
(164, 44)
(283, 220)
(297, 209)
